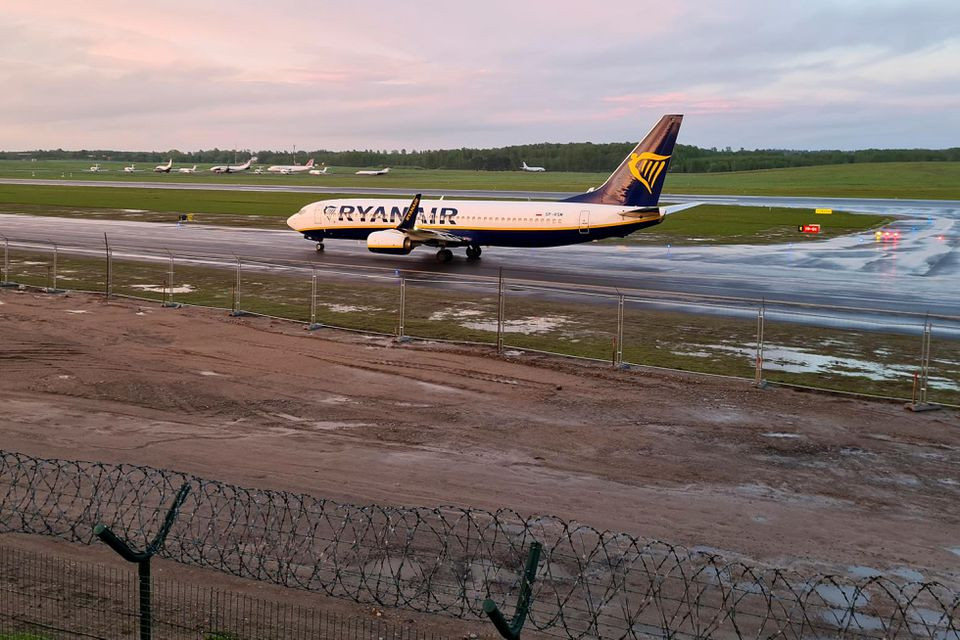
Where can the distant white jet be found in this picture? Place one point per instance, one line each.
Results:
(378, 172)
(192, 169)
(319, 172)
(287, 169)
(130, 169)
(164, 168)
(228, 168)
(95, 169)
(534, 169)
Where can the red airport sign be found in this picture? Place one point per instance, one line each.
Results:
(809, 228)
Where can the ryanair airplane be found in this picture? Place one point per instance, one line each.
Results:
(626, 202)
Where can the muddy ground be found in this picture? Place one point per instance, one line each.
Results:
(809, 481)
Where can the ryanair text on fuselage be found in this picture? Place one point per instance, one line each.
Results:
(373, 213)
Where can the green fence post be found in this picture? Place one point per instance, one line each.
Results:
(142, 558)
(6, 263)
(511, 630)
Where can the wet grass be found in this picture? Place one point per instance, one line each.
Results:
(689, 338)
(934, 180)
(725, 224)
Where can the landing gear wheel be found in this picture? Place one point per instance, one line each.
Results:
(473, 252)
(444, 255)
(319, 247)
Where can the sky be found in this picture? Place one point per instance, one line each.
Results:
(424, 74)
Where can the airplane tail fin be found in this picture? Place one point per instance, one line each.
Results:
(310, 163)
(638, 180)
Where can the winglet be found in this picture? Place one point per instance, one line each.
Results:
(410, 217)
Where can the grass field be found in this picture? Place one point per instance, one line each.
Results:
(719, 340)
(934, 180)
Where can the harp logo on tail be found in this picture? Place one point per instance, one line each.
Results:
(647, 167)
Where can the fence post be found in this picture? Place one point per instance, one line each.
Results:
(758, 377)
(170, 302)
(500, 302)
(6, 263)
(402, 310)
(618, 353)
(53, 272)
(109, 284)
(236, 292)
(511, 630)
(313, 326)
(920, 403)
(142, 558)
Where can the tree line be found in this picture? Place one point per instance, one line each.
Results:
(574, 156)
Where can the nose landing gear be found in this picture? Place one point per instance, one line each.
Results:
(319, 247)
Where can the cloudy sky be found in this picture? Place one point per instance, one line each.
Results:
(417, 74)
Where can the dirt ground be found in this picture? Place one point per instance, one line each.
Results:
(805, 480)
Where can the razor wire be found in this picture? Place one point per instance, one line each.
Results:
(446, 560)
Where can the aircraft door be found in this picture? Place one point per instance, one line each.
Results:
(585, 222)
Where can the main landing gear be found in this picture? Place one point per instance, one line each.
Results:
(473, 253)
(319, 247)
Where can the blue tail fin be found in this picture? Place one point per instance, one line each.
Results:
(639, 178)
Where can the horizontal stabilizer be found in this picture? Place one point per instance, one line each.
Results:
(679, 207)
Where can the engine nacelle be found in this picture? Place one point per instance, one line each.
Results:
(389, 241)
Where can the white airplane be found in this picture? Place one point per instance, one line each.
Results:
(192, 169)
(378, 172)
(534, 169)
(319, 172)
(164, 168)
(95, 169)
(228, 168)
(626, 202)
(132, 168)
(287, 169)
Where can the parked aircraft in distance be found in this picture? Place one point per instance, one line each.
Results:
(192, 169)
(132, 168)
(95, 169)
(164, 168)
(287, 169)
(233, 168)
(378, 172)
(626, 202)
(319, 172)
(534, 169)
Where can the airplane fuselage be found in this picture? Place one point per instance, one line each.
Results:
(476, 222)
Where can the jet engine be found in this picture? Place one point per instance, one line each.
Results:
(389, 241)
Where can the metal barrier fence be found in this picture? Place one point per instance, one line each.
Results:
(592, 584)
(902, 355)
(43, 596)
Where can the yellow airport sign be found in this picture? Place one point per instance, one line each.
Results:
(827, 211)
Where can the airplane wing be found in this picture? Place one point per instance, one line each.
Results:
(655, 212)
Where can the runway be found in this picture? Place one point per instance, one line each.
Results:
(918, 273)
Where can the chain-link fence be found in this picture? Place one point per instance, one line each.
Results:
(904, 355)
(44, 596)
(591, 583)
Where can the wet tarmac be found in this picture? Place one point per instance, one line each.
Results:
(913, 267)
